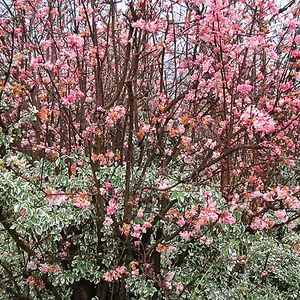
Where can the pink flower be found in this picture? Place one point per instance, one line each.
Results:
(44, 268)
(140, 213)
(108, 277)
(281, 214)
(170, 276)
(139, 24)
(22, 212)
(75, 40)
(71, 98)
(63, 254)
(147, 225)
(103, 191)
(162, 183)
(181, 221)
(110, 154)
(137, 229)
(206, 240)
(264, 273)
(244, 88)
(115, 114)
(227, 218)
(112, 207)
(54, 268)
(137, 243)
(261, 223)
(186, 235)
(179, 286)
(32, 265)
(291, 225)
(108, 222)
(81, 201)
(260, 120)
(67, 244)
(208, 194)
(263, 123)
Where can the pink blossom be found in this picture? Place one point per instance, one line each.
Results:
(137, 229)
(181, 221)
(244, 88)
(140, 213)
(67, 244)
(281, 214)
(115, 114)
(147, 225)
(71, 98)
(103, 191)
(186, 235)
(112, 207)
(226, 217)
(291, 225)
(32, 265)
(208, 214)
(75, 40)
(210, 144)
(261, 223)
(108, 277)
(22, 212)
(263, 123)
(162, 183)
(264, 273)
(63, 254)
(107, 185)
(82, 201)
(179, 286)
(170, 276)
(108, 222)
(44, 268)
(208, 194)
(206, 240)
(57, 198)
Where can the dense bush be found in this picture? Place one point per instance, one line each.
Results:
(149, 149)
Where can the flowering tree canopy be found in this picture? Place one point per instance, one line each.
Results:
(149, 149)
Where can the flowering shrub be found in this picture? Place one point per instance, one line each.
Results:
(149, 149)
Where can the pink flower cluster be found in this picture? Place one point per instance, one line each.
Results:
(186, 235)
(72, 96)
(281, 215)
(261, 121)
(32, 265)
(206, 240)
(208, 213)
(163, 184)
(112, 206)
(75, 41)
(138, 229)
(151, 26)
(45, 268)
(115, 274)
(57, 198)
(82, 201)
(261, 223)
(226, 217)
(115, 114)
(244, 88)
